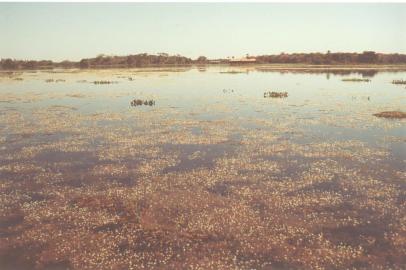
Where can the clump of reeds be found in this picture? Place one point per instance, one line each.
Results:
(228, 90)
(391, 114)
(57, 80)
(270, 94)
(231, 72)
(355, 80)
(140, 102)
(104, 82)
(399, 82)
(125, 77)
(76, 95)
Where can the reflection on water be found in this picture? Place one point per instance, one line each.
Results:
(213, 175)
(365, 73)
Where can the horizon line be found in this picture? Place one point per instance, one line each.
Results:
(217, 58)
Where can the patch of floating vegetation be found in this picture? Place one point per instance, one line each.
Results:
(104, 82)
(61, 108)
(232, 72)
(391, 114)
(140, 102)
(228, 90)
(399, 82)
(53, 80)
(355, 80)
(18, 79)
(27, 97)
(77, 95)
(275, 94)
(81, 81)
(126, 77)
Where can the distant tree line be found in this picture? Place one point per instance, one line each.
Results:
(102, 61)
(138, 60)
(20, 64)
(367, 57)
(163, 59)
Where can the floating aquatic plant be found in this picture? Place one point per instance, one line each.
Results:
(275, 94)
(139, 102)
(391, 114)
(355, 80)
(399, 82)
(104, 82)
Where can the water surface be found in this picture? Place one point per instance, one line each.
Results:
(212, 175)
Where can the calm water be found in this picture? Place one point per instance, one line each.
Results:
(320, 106)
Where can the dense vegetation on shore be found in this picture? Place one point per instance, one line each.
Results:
(101, 61)
(367, 57)
(139, 60)
(145, 60)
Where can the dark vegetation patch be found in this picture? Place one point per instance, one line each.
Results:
(391, 114)
(222, 189)
(20, 256)
(232, 72)
(275, 94)
(399, 82)
(355, 80)
(107, 227)
(12, 219)
(140, 102)
(61, 156)
(104, 82)
(226, 91)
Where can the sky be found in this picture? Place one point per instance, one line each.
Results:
(60, 31)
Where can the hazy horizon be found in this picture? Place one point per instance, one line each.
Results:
(60, 31)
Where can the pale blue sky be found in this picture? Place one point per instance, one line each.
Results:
(59, 31)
